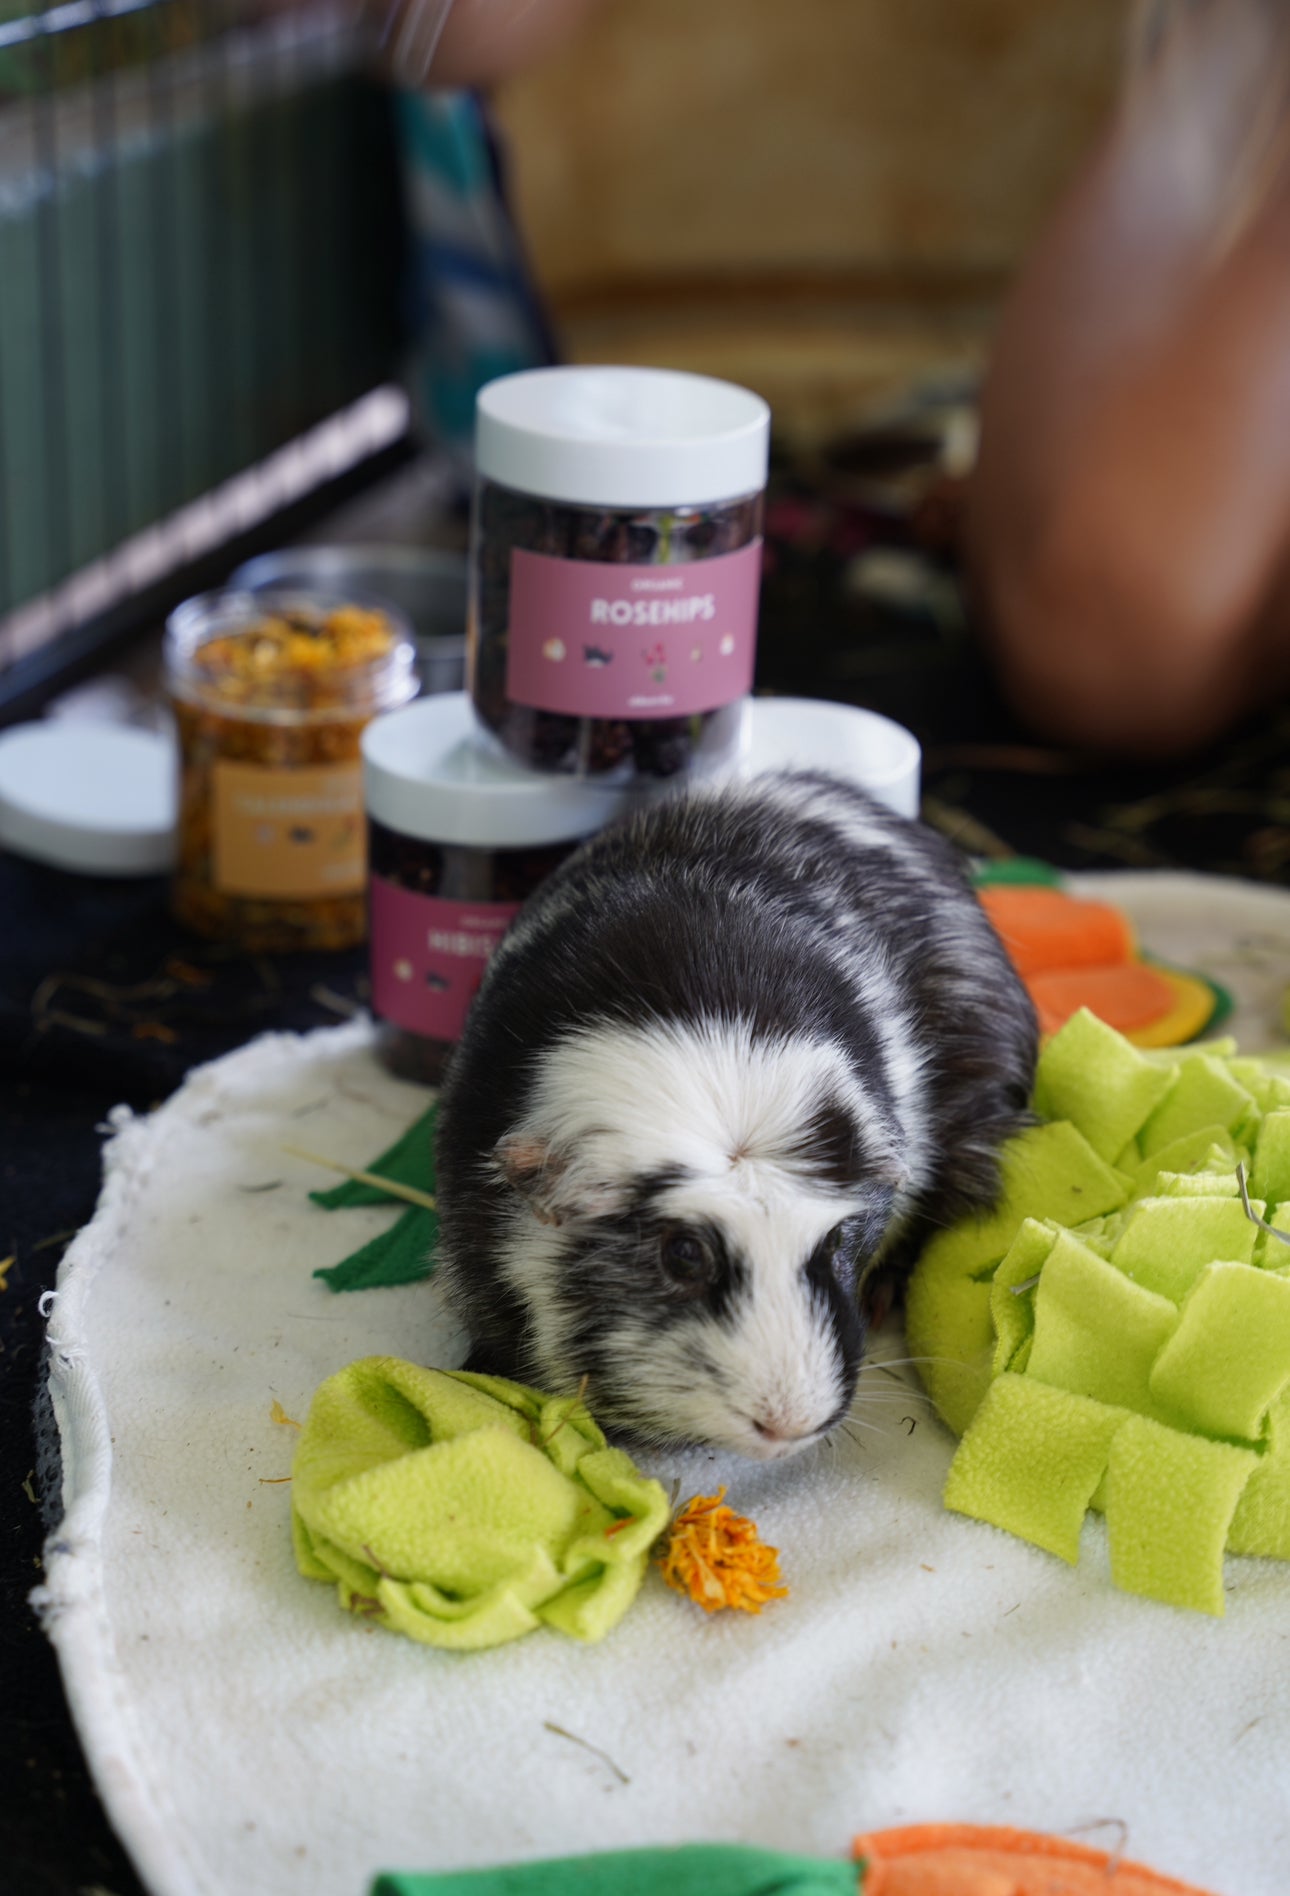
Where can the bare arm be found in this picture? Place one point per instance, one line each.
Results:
(1129, 519)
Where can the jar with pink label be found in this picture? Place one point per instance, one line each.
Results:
(615, 567)
(458, 836)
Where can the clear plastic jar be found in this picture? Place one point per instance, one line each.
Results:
(615, 567)
(271, 694)
(459, 837)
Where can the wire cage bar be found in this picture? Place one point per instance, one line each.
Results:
(200, 259)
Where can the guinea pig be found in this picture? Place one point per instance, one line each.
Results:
(738, 1051)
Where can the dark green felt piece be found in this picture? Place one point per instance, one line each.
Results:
(697, 1869)
(409, 1161)
(1025, 870)
(402, 1255)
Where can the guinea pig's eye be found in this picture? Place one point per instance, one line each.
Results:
(688, 1260)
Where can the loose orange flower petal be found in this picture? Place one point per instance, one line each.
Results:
(714, 1555)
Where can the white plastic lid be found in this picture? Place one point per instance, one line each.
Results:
(99, 798)
(813, 734)
(622, 437)
(429, 772)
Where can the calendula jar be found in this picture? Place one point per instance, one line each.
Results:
(459, 836)
(615, 567)
(271, 694)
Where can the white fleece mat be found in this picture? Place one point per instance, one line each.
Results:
(247, 1736)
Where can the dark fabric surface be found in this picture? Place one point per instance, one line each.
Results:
(103, 999)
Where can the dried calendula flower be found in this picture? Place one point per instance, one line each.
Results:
(715, 1556)
(272, 693)
(295, 649)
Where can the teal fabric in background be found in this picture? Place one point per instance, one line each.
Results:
(474, 313)
(696, 1869)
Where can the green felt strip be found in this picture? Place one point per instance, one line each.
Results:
(1100, 1234)
(1049, 1171)
(1170, 1499)
(949, 1333)
(1204, 1094)
(1205, 1184)
(1090, 1075)
(696, 1869)
(1272, 1253)
(1031, 1460)
(1167, 1242)
(1271, 1175)
(409, 1161)
(1272, 1092)
(1012, 1307)
(1261, 1524)
(1183, 1155)
(402, 1255)
(1097, 1334)
(1229, 1358)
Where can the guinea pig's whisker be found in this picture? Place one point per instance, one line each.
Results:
(854, 1421)
(898, 1362)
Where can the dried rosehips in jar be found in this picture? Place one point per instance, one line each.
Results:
(616, 566)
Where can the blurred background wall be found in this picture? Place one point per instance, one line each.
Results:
(823, 198)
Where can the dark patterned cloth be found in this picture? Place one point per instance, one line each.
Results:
(103, 999)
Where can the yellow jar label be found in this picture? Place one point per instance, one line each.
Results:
(295, 834)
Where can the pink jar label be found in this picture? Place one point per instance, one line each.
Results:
(428, 956)
(598, 640)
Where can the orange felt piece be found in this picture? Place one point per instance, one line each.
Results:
(1045, 928)
(1128, 995)
(980, 1860)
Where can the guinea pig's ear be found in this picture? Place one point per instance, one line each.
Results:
(555, 1188)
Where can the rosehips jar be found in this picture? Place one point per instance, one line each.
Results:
(271, 692)
(615, 567)
(458, 836)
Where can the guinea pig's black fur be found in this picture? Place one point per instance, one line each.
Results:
(735, 1052)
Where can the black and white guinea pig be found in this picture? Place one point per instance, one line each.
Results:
(735, 1052)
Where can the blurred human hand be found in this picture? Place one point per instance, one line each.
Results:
(1128, 522)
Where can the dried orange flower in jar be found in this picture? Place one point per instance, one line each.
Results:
(271, 695)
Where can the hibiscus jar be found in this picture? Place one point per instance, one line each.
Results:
(458, 836)
(271, 693)
(615, 567)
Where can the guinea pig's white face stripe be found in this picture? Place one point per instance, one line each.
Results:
(616, 1102)
(774, 1357)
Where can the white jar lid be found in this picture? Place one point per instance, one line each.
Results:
(622, 437)
(429, 772)
(815, 734)
(99, 798)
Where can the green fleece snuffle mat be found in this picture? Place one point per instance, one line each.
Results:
(1117, 1335)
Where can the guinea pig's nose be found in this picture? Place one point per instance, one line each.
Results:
(775, 1432)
